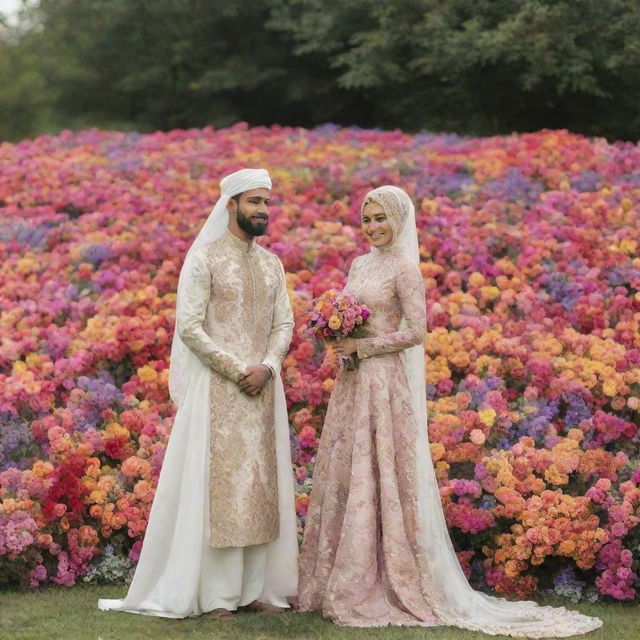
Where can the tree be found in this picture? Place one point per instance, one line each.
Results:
(470, 66)
(480, 66)
(167, 64)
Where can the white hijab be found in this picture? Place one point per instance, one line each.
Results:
(401, 215)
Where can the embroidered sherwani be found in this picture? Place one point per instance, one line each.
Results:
(237, 313)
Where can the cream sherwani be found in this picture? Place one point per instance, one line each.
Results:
(237, 313)
(222, 529)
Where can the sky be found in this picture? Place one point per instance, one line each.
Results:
(9, 6)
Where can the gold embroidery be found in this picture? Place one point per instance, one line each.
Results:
(239, 320)
(243, 493)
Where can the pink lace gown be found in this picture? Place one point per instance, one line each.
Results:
(357, 563)
(360, 563)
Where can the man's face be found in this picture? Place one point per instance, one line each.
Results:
(252, 211)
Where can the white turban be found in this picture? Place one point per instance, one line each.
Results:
(244, 180)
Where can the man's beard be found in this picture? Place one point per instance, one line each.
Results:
(252, 228)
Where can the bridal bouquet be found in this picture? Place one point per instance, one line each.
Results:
(337, 315)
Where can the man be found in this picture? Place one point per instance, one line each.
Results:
(222, 532)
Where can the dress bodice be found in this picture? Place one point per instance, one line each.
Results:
(391, 286)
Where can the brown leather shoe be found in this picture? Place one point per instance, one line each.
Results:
(262, 607)
(221, 614)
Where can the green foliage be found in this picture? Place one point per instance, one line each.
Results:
(481, 66)
(161, 64)
(471, 66)
(24, 100)
(158, 65)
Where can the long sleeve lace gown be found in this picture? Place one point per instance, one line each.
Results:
(364, 562)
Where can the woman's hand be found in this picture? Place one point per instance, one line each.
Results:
(345, 347)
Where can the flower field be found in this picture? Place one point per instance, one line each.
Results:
(530, 262)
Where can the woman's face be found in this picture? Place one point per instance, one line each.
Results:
(375, 225)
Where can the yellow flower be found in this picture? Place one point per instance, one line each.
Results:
(511, 568)
(327, 385)
(609, 388)
(567, 547)
(147, 373)
(437, 451)
(334, 322)
(553, 476)
(487, 416)
(489, 293)
(628, 246)
(476, 279)
(19, 366)
(27, 265)
(115, 430)
(89, 483)
(98, 496)
(42, 469)
(575, 434)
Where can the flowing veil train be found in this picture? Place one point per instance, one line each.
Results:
(443, 581)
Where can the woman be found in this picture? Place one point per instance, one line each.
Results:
(376, 549)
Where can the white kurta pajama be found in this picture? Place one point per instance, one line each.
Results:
(222, 529)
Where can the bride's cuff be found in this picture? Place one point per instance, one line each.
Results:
(364, 348)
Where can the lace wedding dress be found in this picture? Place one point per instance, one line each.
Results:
(376, 550)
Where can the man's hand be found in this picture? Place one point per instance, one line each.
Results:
(254, 378)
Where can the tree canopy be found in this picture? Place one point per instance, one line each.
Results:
(470, 66)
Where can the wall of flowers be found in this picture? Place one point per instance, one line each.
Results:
(530, 261)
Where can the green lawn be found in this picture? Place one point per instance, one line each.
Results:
(72, 614)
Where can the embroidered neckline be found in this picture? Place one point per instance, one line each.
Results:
(385, 251)
(238, 243)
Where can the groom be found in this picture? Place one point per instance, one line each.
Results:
(222, 533)
(239, 312)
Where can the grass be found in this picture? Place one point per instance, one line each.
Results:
(60, 613)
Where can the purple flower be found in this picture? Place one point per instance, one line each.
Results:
(577, 411)
(566, 584)
(96, 254)
(15, 441)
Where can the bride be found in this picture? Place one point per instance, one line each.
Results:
(376, 550)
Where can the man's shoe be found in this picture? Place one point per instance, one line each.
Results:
(262, 607)
(221, 614)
